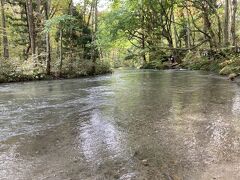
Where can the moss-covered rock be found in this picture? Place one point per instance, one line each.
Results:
(226, 70)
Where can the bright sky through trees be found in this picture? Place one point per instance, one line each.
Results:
(103, 4)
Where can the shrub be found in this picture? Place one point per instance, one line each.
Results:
(8, 70)
(85, 68)
(194, 61)
(155, 65)
(103, 67)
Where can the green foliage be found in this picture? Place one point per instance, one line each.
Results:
(62, 22)
(103, 67)
(85, 67)
(18, 28)
(7, 70)
(156, 65)
(194, 61)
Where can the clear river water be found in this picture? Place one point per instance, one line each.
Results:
(132, 124)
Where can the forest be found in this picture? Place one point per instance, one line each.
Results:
(47, 39)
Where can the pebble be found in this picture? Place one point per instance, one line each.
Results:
(145, 162)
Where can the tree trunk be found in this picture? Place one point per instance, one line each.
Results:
(37, 27)
(233, 24)
(31, 27)
(96, 17)
(175, 35)
(38, 9)
(187, 38)
(94, 29)
(226, 23)
(84, 11)
(210, 35)
(143, 48)
(5, 38)
(60, 53)
(219, 30)
(70, 54)
(48, 52)
(48, 44)
(188, 32)
(143, 34)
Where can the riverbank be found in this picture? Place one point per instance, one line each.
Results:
(222, 63)
(10, 73)
(44, 77)
(226, 64)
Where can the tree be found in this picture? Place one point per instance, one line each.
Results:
(226, 23)
(62, 23)
(31, 27)
(48, 42)
(94, 53)
(233, 24)
(5, 38)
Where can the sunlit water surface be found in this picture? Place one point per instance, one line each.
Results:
(129, 125)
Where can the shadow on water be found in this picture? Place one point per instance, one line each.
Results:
(129, 125)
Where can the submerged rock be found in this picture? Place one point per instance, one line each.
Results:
(232, 76)
(145, 162)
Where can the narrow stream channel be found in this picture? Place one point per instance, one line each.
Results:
(138, 124)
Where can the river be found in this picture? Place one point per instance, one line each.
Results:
(132, 124)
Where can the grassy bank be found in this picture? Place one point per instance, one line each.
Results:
(10, 71)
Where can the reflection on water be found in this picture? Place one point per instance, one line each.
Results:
(99, 136)
(129, 125)
(236, 102)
